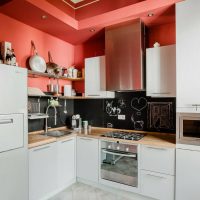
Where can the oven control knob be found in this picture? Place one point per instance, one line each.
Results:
(127, 149)
(118, 148)
(109, 146)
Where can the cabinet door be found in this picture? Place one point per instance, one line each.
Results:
(161, 71)
(87, 158)
(66, 162)
(188, 54)
(156, 185)
(95, 78)
(157, 159)
(93, 81)
(187, 174)
(42, 171)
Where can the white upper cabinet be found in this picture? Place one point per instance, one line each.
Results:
(95, 78)
(188, 55)
(161, 71)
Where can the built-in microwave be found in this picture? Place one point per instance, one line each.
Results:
(188, 128)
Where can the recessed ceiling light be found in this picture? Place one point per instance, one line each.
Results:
(44, 17)
(150, 14)
(92, 30)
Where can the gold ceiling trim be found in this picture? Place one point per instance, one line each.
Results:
(84, 5)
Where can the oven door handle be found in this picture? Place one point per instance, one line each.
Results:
(119, 154)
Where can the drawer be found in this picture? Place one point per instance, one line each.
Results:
(161, 160)
(156, 185)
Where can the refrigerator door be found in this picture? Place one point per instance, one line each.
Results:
(11, 132)
(13, 89)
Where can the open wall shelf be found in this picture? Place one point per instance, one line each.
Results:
(34, 74)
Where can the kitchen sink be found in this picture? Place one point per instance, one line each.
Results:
(58, 133)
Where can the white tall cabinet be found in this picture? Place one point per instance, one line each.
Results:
(188, 55)
(187, 173)
(161, 71)
(95, 78)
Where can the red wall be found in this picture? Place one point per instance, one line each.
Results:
(164, 34)
(63, 53)
(92, 48)
(20, 35)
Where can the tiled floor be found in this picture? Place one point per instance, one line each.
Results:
(80, 191)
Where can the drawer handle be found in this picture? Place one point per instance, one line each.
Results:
(66, 141)
(42, 148)
(156, 176)
(195, 105)
(6, 121)
(157, 148)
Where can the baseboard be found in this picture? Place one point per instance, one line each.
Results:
(110, 189)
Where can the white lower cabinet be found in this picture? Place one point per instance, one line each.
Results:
(87, 158)
(52, 167)
(42, 171)
(157, 172)
(157, 185)
(66, 162)
(158, 159)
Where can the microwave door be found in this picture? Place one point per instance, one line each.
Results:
(189, 128)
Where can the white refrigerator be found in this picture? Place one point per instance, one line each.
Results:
(13, 133)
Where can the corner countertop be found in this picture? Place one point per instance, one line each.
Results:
(151, 138)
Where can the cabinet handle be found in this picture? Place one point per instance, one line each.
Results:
(93, 95)
(6, 121)
(157, 148)
(160, 93)
(66, 140)
(42, 148)
(161, 177)
(195, 105)
(88, 139)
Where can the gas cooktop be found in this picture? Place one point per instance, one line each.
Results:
(124, 135)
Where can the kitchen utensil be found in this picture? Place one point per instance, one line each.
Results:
(65, 107)
(36, 62)
(85, 124)
(50, 86)
(53, 68)
(56, 88)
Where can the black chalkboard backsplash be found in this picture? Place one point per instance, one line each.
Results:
(140, 111)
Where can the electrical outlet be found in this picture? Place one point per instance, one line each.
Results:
(121, 117)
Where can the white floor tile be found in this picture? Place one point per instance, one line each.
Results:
(81, 191)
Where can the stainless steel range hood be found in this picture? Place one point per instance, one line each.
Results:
(124, 56)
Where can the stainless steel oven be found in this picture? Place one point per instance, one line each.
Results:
(188, 128)
(119, 163)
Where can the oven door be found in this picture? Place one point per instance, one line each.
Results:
(190, 129)
(119, 167)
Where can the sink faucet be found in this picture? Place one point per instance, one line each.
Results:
(55, 117)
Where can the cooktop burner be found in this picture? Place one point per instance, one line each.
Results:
(124, 135)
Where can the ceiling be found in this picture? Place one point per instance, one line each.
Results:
(74, 23)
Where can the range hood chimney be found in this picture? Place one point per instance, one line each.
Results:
(124, 56)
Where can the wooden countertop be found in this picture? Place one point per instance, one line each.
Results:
(151, 138)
